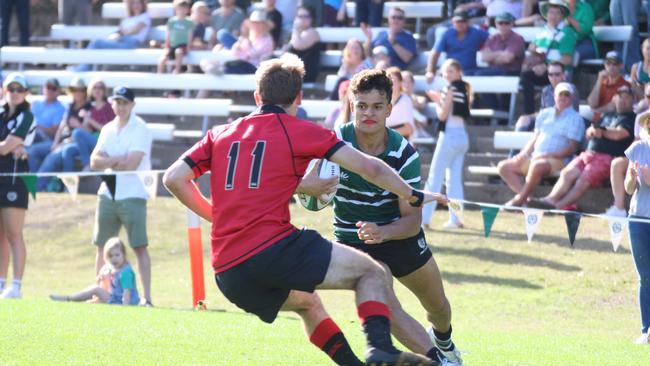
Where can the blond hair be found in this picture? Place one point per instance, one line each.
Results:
(450, 62)
(91, 85)
(279, 80)
(112, 243)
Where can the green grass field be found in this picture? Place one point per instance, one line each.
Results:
(514, 303)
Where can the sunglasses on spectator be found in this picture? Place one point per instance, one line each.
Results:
(16, 90)
(554, 74)
(75, 90)
(397, 17)
(52, 87)
(502, 23)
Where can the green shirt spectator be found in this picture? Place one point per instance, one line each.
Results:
(179, 31)
(555, 43)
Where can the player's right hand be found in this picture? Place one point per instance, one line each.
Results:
(313, 185)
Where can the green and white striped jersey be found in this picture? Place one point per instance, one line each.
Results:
(359, 200)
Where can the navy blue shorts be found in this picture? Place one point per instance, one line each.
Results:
(261, 284)
(401, 256)
(13, 193)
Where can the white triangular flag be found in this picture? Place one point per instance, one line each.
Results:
(532, 217)
(71, 183)
(616, 227)
(150, 182)
(456, 207)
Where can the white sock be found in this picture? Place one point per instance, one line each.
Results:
(16, 284)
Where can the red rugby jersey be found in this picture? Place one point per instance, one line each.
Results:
(256, 163)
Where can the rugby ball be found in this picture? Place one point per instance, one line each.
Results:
(326, 169)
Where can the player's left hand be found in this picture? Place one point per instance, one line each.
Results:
(370, 233)
(438, 197)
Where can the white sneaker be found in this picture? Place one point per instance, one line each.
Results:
(453, 225)
(615, 211)
(11, 293)
(453, 356)
(643, 339)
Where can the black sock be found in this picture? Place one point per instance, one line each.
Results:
(434, 354)
(377, 329)
(443, 340)
(338, 349)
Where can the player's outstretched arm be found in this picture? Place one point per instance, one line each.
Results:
(178, 180)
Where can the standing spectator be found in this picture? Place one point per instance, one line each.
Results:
(504, 50)
(75, 11)
(581, 18)
(368, 13)
(180, 30)
(334, 13)
(48, 113)
(399, 42)
(461, 43)
(226, 22)
(132, 33)
(124, 145)
(452, 108)
(16, 122)
(558, 132)
(305, 42)
(63, 152)
(607, 140)
(626, 12)
(202, 18)
(401, 118)
(640, 73)
(557, 42)
(22, 13)
(610, 79)
(275, 18)
(637, 183)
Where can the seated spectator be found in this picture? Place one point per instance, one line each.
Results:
(473, 8)
(48, 113)
(115, 284)
(180, 30)
(608, 139)
(353, 60)
(317, 8)
(399, 42)
(368, 13)
(419, 105)
(640, 73)
(504, 50)
(305, 43)
(334, 13)
(132, 33)
(379, 59)
(275, 19)
(556, 75)
(200, 15)
(339, 115)
(401, 116)
(226, 22)
(461, 43)
(581, 18)
(252, 48)
(558, 132)
(556, 42)
(63, 152)
(610, 79)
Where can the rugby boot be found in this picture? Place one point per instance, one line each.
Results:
(378, 357)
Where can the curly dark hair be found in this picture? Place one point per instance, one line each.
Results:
(368, 80)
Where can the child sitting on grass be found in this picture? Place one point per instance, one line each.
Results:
(117, 272)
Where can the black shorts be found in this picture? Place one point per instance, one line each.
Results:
(13, 193)
(401, 256)
(171, 55)
(261, 284)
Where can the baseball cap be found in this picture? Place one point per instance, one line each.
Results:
(613, 56)
(379, 49)
(15, 78)
(563, 87)
(460, 15)
(257, 16)
(53, 82)
(124, 93)
(505, 17)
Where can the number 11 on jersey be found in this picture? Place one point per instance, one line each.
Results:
(256, 166)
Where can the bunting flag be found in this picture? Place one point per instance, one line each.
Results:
(71, 183)
(572, 220)
(616, 227)
(150, 182)
(109, 179)
(456, 208)
(489, 215)
(533, 217)
(30, 183)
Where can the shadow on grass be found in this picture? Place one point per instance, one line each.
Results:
(460, 278)
(501, 257)
(563, 241)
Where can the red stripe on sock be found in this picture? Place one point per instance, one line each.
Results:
(323, 332)
(372, 308)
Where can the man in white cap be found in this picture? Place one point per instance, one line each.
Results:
(558, 132)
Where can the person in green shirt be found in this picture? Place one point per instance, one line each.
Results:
(180, 29)
(581, 18)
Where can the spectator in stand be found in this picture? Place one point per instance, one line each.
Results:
(75, 11)
(626, 12)
(380, 59)
(640, 73)
(63, 151)
(132, 33)
(369, 13)
(556, 42)
(334, 13)
(202, 19)
(419, 105)
(495, 7)
(305, 42)
(339, 115)
(226, 22)
(607, 140)
(601, 11)
(48, 113)
(609, 80)
(317, 10)
(558, 132)
(399, 42)
(473, 8)
(504, 50)
(581, 18)
(275, 19)
(637, 182)
(452, 108)
(353, 60)
(401, 117)
(180, 29)
(22, 14)
(461, 43)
